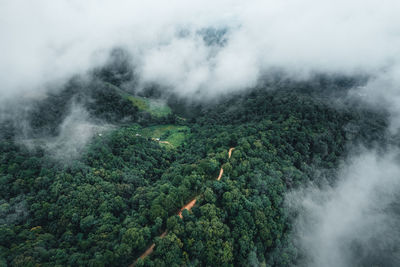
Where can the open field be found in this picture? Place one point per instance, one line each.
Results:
(155, 107)
(173, 134)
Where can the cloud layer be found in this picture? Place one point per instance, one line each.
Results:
(354, 223)
(45, 42)
(48, 41)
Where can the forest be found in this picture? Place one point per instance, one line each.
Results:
(110, 204)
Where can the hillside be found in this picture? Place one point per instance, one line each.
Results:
(106, 207)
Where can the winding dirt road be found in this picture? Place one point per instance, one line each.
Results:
(149, 250)
(221, 171)
(188, 206)
(230, 152)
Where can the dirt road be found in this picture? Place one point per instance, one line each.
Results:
(230, 152)
(188, 206)
(221, 171)
(149, 250)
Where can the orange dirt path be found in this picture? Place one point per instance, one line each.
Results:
(221, 171)
(230, 152)
(164, 234)
(149, 250)
(188, 206)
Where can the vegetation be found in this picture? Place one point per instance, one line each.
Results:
(108, 206)
(157, 108)
(172, 134)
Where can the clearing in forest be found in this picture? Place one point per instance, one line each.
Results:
(168, 135)
(156, 107)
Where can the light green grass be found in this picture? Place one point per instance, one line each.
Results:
(157, 108)
(174, 134)
(138, 102)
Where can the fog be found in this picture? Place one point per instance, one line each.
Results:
(47, 42)
(356, 221)
(76, 131)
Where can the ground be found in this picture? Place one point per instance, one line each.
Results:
(167, 135)
(157, 108)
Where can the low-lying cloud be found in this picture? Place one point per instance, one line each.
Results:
(48, 41)
(73, 134)
(355, 222)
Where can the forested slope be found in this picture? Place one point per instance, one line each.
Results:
(107, 206)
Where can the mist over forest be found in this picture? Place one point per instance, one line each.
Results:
(231, 133)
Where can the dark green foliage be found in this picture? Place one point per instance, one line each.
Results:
(107, 104)
(117, 69)
(102, 101)
(107, 207)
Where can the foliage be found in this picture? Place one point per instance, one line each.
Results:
(173, 134)
(157, 108)
(107, 207)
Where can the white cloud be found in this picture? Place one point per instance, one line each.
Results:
(50, 40)
(75, 132)
(46, 41)
(354, 220)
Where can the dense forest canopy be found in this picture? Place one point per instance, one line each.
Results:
(106, 206)
(200, 133)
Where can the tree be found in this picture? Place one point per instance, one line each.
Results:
(136, 238)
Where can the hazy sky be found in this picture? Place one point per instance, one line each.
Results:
(44, 41)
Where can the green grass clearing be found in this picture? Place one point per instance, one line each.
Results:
(155, 107)
(173, 134)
